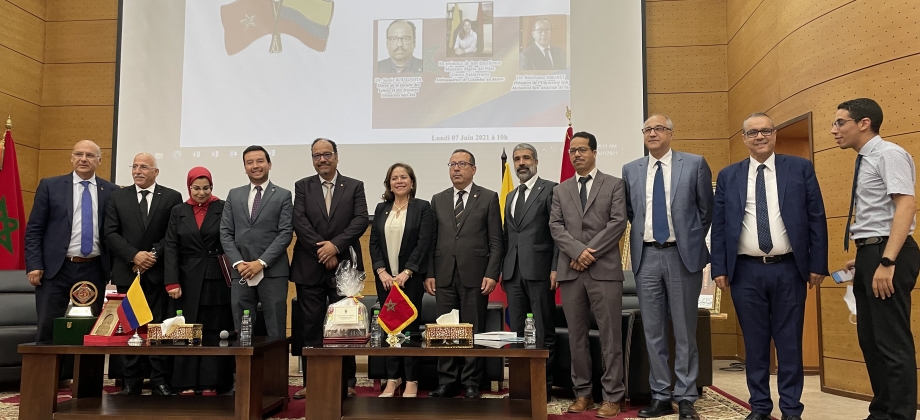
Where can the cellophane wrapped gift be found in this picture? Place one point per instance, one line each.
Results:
(346, 320)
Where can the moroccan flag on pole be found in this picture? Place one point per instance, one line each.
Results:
(397, 312)
(134, 310)
(568, 170)
(12, 215)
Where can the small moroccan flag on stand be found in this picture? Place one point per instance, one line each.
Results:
(397, 312)
(12, 214)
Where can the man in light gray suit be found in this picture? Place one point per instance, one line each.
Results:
(588, 219)
(255, 231)
(529, 268)
(669, 203)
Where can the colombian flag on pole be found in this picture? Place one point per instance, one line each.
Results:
(507, 184)
(134, 310)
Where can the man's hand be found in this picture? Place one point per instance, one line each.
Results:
(850, 265)
(331, 263)
(401, 279)
(144, 260)
(586, 258)
(326, 250)
(721, 282)
(35, 277)
(488, 285)
(386, 279)
(136, 269)
(815, 280)
(577, 266)
(553, 285)
(430, 286)
(883, 282)
(175, 293)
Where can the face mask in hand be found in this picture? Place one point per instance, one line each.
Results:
(851, 303)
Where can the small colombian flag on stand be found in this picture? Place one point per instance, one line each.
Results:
(134, 310)
(397, 312)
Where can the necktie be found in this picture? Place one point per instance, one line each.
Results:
(846, 236)
(328, 186)
(256, 203)
(764, 240)
(546, 53)
(583, 194)
(458, 208)
(660, 229)
(519, 203)
(86, 220)
(144, 204)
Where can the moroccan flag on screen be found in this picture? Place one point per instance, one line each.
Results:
(134, 311)
(568, 170)
(245, 21)
(12, 215)
(397, 312)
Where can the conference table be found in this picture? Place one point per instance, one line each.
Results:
(526, 399)
(261, 383)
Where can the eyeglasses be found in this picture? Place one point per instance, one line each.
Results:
(141, 167)
(542, 31)
(318, 156)
(767, 132)
(840, 122)
(580, 150)
(81, 155)
(660, 129)
(393, 40)
(461, 165)
(205, 188)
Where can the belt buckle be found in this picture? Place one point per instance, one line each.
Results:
(766, 261)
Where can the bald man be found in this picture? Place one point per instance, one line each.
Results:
(135, 225)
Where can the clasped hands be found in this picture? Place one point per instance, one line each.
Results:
(249, 269)
(814, 279)
(488, 285)
(143, 261)
(388, 280)
(327, 255)
(584, 260)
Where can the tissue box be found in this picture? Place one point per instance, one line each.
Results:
(455, 336)
(184, 335)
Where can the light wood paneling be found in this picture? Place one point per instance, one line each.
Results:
(21, 76)
(687, 22)
(724, 346)
(81, 41)
(35, 7)
(57, 162)
(714, 151)
(63, 126)
(695, 115)
(27, 160)
(846, 375)
(836, 257)
(839, 335)
(737, 13)
(737, 150)
(59, 10)
(834, 169)
(26, 120)
(28, 197)
(756, 92)
(79, 84)
(686, 69)
(22, 31)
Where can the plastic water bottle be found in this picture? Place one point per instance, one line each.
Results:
(530, 333)
(375, 329)
(246, 329)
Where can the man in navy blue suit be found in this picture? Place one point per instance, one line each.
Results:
(769, 238)
(64, 236)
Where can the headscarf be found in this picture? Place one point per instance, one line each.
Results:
(200, 210)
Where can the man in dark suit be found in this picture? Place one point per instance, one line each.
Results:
(529, 267)
(135, 225)
(588, 219)
(64, 239)
(400, 42)
(255, 231)
(769, 239)
(542, 55)
(669, 203)
(465, 264)
(330, 215)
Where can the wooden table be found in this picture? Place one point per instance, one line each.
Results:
(527, 377)
(261, 384)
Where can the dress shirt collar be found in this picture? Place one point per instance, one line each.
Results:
(531, 182)
(593, 174)
(870, 145)
(468, 189)
(150, 188)
(770, 162)
(334, 178)
(665, 160)
(252, 187)
(77, 179)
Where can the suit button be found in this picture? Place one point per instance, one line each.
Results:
(457, 238)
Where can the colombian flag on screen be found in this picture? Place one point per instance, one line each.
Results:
(134, 310)
(245, 21)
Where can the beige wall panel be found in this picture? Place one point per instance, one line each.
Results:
(63, 126)
(28, 197)
(35, 7)
(695, 115)
(21, 76)
(79, 84)
(834, 168)
(758, 91)
(715, 152)
(737, 12)
(845, 375)
(22, 31)
(686, 69)
(81, 41)
(836, 257)
(839, 335)
(59, 10)
(26, 120)
(722, 326)
(737, 150)
(27, 160)
(724, 345)
(57, 162)
(687, 22)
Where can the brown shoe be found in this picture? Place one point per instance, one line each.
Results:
(299, 395)
(352, 392)
(608, 409)
(581, 404)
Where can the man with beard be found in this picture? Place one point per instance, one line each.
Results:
(400, 42)
(529, 268)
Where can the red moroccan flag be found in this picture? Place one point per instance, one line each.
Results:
(12, 215)
(397, 312)
(568, 170)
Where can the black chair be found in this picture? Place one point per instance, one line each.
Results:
(18, 321)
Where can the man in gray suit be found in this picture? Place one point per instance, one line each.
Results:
(255, 231)
(529, 268)
(588, 219)
(669, 203)
(465, 263)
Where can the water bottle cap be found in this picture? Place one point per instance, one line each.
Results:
(376, 311)
(179, 312)
(529, 315)
(246, 312)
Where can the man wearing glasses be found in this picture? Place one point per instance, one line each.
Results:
(769, 239)
(541, 55)
(587, 220)
(400, 41)
(669, 202)
(887, 259)
(330, 215)
(465, 264)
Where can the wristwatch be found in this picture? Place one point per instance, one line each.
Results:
(408, 272)
(887, 262)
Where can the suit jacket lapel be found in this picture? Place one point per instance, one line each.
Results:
(137, 207)
(574, 191)
(67, 182)
(188, 217)
(642, 177)
(677, 165)
(318, 193)
(781, 178)
(268, 191)
(337, 192)
(534, 194)
(155, 203)
(508, 203)
(743, 181)
(412, 214)
(470, 202)
(598, 182)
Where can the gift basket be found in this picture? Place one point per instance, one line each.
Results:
(346, 320)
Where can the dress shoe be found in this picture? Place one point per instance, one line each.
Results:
(686, 410)
(757, 416)
(414, 393)
(397, 383)
(608, 409)
(581, 405)
(351, 392)
(300, 394)
(471, 392)
(656, 408)
(163, 390)
(127, 390)
(794, 417)
(444, 391)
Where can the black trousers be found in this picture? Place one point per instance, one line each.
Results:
(314, 301)
(883, 328)
(533, 296)
(398, 365)
(472, 305)
(160, 366)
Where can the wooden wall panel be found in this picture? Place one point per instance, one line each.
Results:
(27, 160)
(715, 152)
(21, 76)
(737, 13)
(737, 150)
(59, 10)
(845, 375)
(686, 69)
(81, 41)
(840, 341)
(724, 346)
(28, 197)
(695, 115)
(35, 7)
(834, 168)
(57, 162)
(79, 84)
(22, 31)
(686, 22)
(836, 257)
(756, 92)
(63, 126)
(26, 120)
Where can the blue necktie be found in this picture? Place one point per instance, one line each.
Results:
(660, 230)
(86, 220)
(763, 216)
(846, 236)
